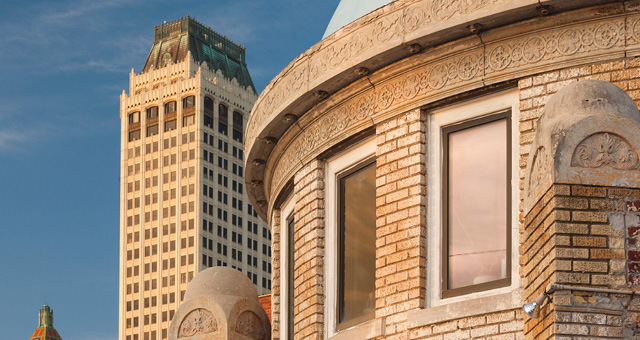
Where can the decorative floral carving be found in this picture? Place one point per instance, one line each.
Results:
(438, 76)
(569, 42)
(539, 169)
(605, 149)
(467, 66)
(426, 13)
(548, 45)
(533, 49)
(529, 50)
(249, 324)
(198, 321)
(385, 96)
(500, 57)
(635, 29)
(606, 35)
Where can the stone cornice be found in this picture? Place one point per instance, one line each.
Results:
(588, 35)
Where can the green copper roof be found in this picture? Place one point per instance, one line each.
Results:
(174, 39)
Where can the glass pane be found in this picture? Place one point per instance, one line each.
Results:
(358, 219)
(477, 204)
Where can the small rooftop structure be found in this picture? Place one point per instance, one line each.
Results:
(45, 330)
(220, 303)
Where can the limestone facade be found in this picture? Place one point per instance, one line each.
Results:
(183, 203)
(389, 87)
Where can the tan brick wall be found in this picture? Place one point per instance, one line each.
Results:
(401, 219)
(568, 237)
(576, 236)
(505, 325)
(309, 252)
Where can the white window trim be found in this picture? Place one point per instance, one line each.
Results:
(437, 119)
(340, 163)
(285, 213)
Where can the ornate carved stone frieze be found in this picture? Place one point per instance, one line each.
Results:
(249, 324)
(539, 170)
(605, 149)
(427, 13)
(340, 51)
(553, 44)
(430, 75)
(198, 321)
(333, 122)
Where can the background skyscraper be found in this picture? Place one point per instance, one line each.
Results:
(183, 205)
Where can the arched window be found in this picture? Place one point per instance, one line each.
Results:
(188, 110)
(152, 121)
(208, 104)
(188, 102)
(152, 112)
(223, 118)
(237, 126)
(208, 112)
(134, 126)
(170, 107)
(134, 117)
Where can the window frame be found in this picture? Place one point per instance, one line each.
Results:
(446, 132)
(341, 242)
(354, 157)
(286, 216)
(486, 106)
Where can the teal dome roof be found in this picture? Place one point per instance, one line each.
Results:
(350, 10)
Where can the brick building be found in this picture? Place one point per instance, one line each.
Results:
(432, 166)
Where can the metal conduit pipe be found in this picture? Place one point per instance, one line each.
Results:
(533, 308)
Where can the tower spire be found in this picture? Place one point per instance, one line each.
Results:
(46, 317)
(45, 330)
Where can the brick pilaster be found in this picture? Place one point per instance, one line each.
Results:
(309, 252)
(401, 219)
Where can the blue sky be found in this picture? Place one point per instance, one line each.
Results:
(63, 65)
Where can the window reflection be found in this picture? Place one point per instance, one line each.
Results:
(357, 246)
(477, 196)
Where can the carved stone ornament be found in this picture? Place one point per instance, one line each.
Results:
(605, 149)
(249, 324)
(198, 321)
(539, 169)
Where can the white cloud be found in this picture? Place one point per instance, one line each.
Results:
(11, 140)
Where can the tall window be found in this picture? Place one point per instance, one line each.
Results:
(208, 112)
(223, 118)
(237, 126)
(152, 121)
(350, 237)
(134, 126)
(357, 255)
(476, 199)
(170, 116)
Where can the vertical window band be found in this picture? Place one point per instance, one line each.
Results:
(476, 246)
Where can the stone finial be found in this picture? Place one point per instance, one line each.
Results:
(589, 133)
(220, 303)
